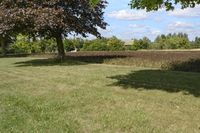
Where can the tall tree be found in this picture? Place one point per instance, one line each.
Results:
(52, 18)
(150, 5)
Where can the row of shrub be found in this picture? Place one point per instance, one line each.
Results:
(25, 44)
(105, 44)
(170, 41)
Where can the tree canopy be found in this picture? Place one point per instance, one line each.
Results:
(150, 5)
(52, 18)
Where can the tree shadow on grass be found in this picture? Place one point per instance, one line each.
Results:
(48, 62)
(169, 81)
(69, 61)
(14, 55)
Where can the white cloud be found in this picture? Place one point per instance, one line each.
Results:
(133, 25)
(192, 29)
(141, 30)
(188, 12)
(128, 15)
(145, 29)
(155, 32)
(180, 24)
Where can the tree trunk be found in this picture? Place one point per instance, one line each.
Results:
(3, 46)
(60, 46)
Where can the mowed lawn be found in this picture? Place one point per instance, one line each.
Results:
(37, 95)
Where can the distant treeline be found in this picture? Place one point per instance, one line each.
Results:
(26, 44)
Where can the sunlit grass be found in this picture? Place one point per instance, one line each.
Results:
(38, 95)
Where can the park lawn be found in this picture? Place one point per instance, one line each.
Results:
(38, 95)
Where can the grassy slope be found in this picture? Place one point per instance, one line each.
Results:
(45, 97)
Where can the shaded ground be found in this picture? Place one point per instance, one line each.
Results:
(173, 82)
(48, 62)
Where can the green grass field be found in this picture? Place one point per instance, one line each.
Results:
(39, 95)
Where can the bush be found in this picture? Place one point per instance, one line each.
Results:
(196, 43)
(69, 45)
(172, 41)
(22, 45)
(141, 44)
(78, 43)
(96, 45)
(105, 44)
(47, 45)
(51, 45)
(35, 47)
(115, 44)
(26, 45)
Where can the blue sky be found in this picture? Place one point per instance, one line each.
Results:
(127, 24)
